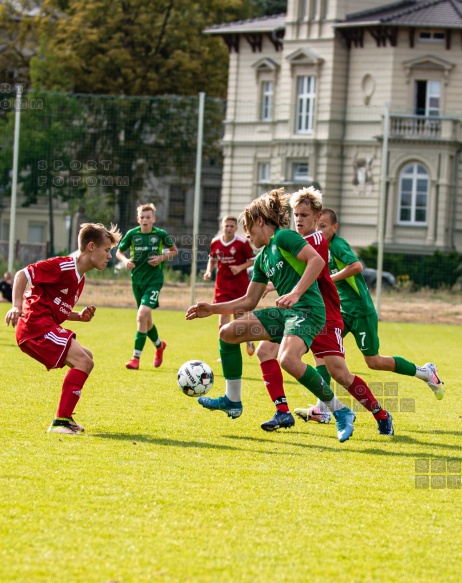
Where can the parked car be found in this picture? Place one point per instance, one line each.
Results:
(182, 262)
(370, 275)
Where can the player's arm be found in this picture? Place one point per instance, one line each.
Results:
(235, 269)
(269, 288)
(244, 304)
(211, 264)
(19, 287)
(129, 264)
(86, 315)
(156, 260)
(314, 265)
(348, 271)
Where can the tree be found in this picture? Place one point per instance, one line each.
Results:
(269, 7)
(133, 47)
(19, 41)
(49, 134)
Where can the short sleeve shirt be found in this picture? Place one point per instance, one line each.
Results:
(327, 287)
(55, 289)
(355, 299)
(228, 254)
(277, 262)
(142, 247)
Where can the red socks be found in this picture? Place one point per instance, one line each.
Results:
(70, 394)
(362, 393)
(272, 377)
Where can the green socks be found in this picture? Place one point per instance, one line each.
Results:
(404, 367)
(231, 360)
(314, 382)
(322, 370)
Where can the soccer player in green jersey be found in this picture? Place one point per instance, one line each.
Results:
(358, 310)
(292, 265)
(146, 244)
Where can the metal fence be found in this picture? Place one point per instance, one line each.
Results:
(102, 156)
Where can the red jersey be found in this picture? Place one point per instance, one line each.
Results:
(327, 287)
(235, 252)
(55, 289)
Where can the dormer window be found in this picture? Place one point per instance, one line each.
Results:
(432, 36)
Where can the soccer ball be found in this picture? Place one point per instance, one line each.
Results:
(195, 378)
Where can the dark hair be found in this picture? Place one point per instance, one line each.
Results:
(331, 214)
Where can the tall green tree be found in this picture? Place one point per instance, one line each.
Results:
(19, 40)
(133, 47)
(49, 137)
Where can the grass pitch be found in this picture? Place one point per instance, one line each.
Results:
(159, 489)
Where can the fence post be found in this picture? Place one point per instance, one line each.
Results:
(197, 195)
(14, 185)
(382, 208)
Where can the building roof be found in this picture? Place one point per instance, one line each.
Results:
(422, 13)
(418, 13)
(254, 25)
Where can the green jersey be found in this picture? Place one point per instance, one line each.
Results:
(277, 262)
(143, 246)
(355, 299)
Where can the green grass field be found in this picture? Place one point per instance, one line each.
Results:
(159, 489)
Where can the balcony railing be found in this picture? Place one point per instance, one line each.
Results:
(417, 126)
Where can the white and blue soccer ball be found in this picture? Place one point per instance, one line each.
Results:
(195, 378)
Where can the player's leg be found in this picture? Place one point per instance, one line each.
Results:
(223, 319)
(232, 335)
(359, 389)
(367, 339)
(80, 361)
(267, 353)
(290, 356)
(151, 300)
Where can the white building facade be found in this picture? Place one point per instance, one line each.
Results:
(306, 101)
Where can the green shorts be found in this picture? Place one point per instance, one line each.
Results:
(365, 331)
(306, 323)
(147, 295)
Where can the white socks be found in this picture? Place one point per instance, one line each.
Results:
(234, 389)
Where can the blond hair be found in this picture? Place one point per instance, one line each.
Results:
(96, 233)
(271, 206)
(147, 206)
(308, 195)
(228, 218)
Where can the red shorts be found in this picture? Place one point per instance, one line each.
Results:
(50, 349)
(329, 342)
(230, 294)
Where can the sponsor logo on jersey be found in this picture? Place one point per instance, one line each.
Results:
(57, 301)
(64, 291)
(137, 239)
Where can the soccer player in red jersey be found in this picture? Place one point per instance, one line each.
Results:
(232, 255)
(55, 287)
(328, 345)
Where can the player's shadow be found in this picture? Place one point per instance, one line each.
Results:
(354, 441)
(139, 438)
(439, 432)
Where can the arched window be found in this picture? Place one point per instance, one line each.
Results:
(413, 195)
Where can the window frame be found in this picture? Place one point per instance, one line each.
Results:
(267, 100)
(429, 94)
(413, 207)
(306, 103)
(263, 178)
